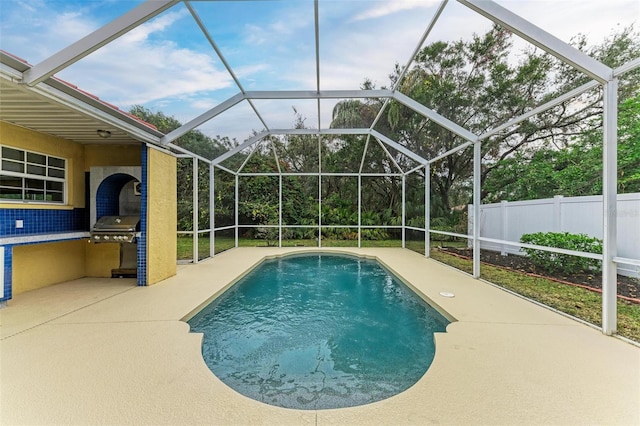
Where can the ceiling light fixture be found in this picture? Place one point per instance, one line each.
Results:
(103, 133)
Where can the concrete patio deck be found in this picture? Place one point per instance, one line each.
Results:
(103, 351)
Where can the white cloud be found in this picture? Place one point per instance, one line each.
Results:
(157, 25)
(74, 26)
(167, 64)
(285, 25)
(381, 9)
(255, 34)
(138, 69)
(565, 19)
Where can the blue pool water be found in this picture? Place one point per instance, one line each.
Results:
(319, 331)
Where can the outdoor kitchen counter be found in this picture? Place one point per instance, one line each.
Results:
(44, 238)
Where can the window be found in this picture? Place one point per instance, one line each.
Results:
(31, 176)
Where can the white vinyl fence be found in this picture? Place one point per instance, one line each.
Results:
(577, 215)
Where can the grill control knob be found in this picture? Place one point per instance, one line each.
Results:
(106, 237)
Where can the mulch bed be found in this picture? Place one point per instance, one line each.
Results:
(627, 286)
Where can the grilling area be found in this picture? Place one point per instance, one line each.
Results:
(115, 214)
(102, 228)
(116, 229)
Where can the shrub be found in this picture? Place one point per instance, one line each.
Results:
(556, 262)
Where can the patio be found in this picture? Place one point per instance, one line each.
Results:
(105, 351)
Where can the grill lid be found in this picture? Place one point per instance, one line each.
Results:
(117, 224)
(115, 229)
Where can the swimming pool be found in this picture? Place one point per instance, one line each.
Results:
(318, 331)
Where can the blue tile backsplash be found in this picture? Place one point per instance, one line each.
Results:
(108, 196)
(41, 221)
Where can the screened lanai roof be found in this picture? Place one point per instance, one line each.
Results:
(241, 68)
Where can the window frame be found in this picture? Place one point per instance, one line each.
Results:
(33, 185)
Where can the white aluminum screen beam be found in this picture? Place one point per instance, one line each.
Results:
(195, 210)
(434, 116)
(477, 188)
(451, 151)
(322, 94)
(427, 210)
(360, 204)
(215, 47)
(319, 131)
(246, 160)
(364, 154)
(272, 145)
(426, 33)
(629, 66)
(415, 169)
(397, 146)
(316, 26)
(541, 38)
(573, 93)
(95, 40)
(212, 210)
(319, 120)
(404, 70)
(333, 94)
(254, 139)
(213, 44)
(610, 202)
(223, 168)
(317, 40)
(583, 254)
(186, 153)
(393, 160)
(187, 127)
(322, 174)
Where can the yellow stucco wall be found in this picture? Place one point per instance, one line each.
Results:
(111, 155)
(161, 216)
(101, 259)
(19, 137)
(40, 265)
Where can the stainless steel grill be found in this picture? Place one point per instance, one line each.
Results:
(116, 229)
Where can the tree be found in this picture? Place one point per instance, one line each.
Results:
(198, 143)
(574, 170)
(194, 140)
(477, 85)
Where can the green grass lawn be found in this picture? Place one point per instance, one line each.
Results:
(185, 247)
(575, 301)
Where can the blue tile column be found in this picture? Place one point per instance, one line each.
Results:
(142, 240)
(8, 259)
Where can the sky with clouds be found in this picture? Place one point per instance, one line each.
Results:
(168, 65)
